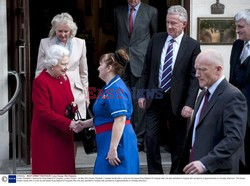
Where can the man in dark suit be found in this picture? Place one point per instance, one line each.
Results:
(240, 71)
(215, 143)
(134, 24)
(171, 106)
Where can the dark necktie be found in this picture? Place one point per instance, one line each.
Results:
(167, 68)
(207, 94)
(131, 24)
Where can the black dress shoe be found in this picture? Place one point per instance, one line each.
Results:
(140, 147)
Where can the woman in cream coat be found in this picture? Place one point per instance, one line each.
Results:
(63, 33)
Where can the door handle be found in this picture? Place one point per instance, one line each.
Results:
(22, 59)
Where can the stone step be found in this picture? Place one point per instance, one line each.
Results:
(85, 163)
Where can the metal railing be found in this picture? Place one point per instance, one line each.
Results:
(11, 105)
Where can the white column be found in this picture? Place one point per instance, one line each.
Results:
(4, 133)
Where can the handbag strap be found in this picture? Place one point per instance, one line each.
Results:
(90, 113)
(79, 117)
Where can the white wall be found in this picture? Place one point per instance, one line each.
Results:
(201, 8)
(4, 134)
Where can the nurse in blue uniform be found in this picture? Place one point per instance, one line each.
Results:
(117, 151)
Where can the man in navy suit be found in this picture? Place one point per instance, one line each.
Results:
(135, 23)
(240, 71)
(215, 143)
(174, 105)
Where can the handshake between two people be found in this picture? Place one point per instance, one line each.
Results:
(77, 126)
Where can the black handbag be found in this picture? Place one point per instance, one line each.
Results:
(87, 135)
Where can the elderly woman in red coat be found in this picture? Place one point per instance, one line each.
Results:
(52, 144)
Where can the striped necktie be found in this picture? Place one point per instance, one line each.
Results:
(167, 68)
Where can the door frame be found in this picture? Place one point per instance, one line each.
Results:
(19, 60)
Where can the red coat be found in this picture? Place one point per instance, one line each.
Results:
(52, 147)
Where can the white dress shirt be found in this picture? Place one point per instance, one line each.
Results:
(176, 46)
(211, 90)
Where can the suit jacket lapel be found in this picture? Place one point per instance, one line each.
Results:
(219, 90)
(197, 105)
(161, 41)
(182, 49)
(246, 65)
(236, 56)
(125, 16)
(139, 16)
(191, 126)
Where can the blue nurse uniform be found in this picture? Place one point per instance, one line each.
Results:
(113, 101)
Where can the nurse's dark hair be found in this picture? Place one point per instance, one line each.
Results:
(118, 60)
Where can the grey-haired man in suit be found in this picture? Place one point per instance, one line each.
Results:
(135, 23)
(178, 93)
(240, 71)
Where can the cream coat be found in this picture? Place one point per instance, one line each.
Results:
(77, 69)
